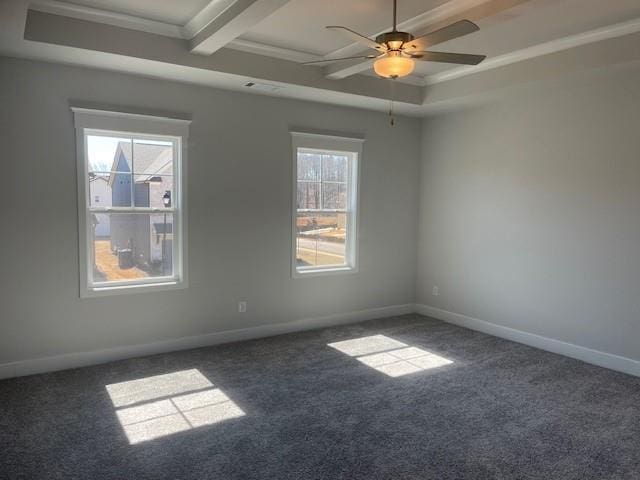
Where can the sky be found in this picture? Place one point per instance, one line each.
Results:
(102, 149)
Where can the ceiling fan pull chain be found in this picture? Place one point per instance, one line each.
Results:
(392, 120)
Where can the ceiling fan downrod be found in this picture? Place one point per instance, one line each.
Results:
(395, 14)
(394, 40)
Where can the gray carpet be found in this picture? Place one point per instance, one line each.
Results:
(446, 403)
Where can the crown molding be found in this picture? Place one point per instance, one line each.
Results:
(110, 18)
(205, 16)
(195, 25)
(565, 43)
(272, 51)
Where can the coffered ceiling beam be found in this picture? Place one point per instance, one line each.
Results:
(239, 17)
(108, 46)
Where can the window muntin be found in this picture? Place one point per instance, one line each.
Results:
(325, 207)
(131, 234)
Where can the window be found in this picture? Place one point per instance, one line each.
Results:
(131, 204)
(325, 200)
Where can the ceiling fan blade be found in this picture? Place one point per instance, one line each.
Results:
(445, 57)
(329, 60)
(367, 42)
(455, 30)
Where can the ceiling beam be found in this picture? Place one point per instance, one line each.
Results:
(450, 12)
(204, 17)
(239, 17)
(105, 46)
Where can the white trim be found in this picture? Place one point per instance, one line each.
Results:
(115, 113)
(82, 359)
(237, 19)
(134, 288)
(204, 17)
(323, 271)
(272, 51)
(131, 125)
(316, 136)
(339, 144)
(595, 357)
(565, 43)
(109, 18)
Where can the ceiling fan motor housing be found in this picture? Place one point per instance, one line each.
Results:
(394, 40)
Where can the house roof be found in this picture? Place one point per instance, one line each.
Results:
(97, 177)
(148, 160)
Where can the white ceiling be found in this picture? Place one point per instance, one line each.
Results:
(300, 24)
(278, 32)
(176, 12)
(534, 23)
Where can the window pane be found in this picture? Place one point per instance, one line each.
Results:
(334, 196)
(99, 190)
(308, 195)
(129, 246)
(320, 239)
(101, 152)
(309, 166)
(109, 171)
(334, 168)
(153, 173)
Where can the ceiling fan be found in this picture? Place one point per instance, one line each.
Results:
(398, 50)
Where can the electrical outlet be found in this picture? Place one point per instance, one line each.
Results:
(242, 306)
(435, 291)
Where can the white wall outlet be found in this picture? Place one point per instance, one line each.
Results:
(242, 306)
(435, 291)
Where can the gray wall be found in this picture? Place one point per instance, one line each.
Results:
(239, 189)
(530, 211)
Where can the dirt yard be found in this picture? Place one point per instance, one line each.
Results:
(311, 257)
(107, 264)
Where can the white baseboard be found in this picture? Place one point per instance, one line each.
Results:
(82, 359)
(595, 357)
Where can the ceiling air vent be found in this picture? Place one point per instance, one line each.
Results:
(263, 87)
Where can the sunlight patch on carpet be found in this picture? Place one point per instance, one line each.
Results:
(389, 356)
(154, 407)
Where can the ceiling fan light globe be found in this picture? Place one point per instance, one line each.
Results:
(393, 66)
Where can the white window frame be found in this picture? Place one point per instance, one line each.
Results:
(352, 147)
(128, 125)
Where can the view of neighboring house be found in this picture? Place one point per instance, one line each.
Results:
(148, 237)
(100, 192)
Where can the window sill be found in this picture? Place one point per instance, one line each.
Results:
(106, 291)
(321, 272)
